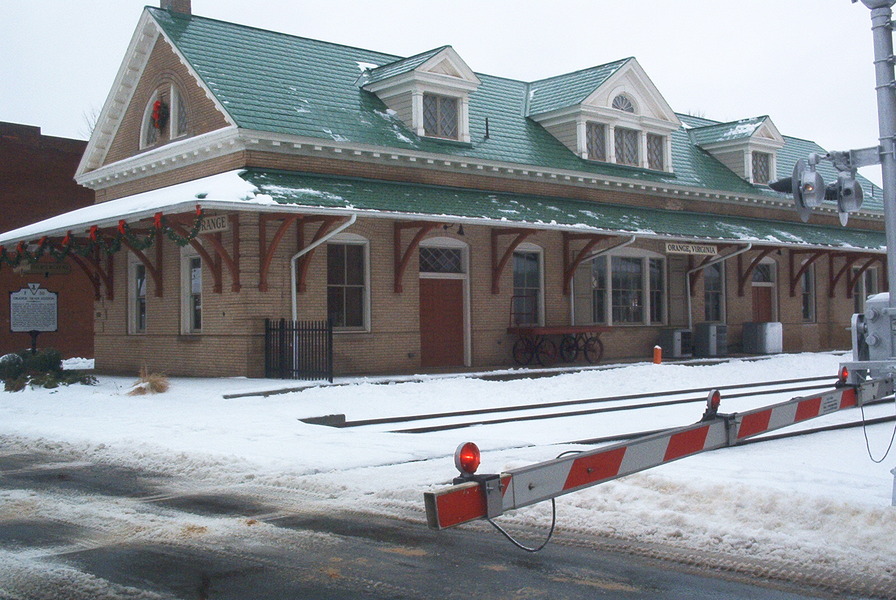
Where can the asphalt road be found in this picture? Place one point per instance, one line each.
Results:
(77, 529)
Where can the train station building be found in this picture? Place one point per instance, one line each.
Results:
(424, 209)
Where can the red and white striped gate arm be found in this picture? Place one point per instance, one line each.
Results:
(521, 487)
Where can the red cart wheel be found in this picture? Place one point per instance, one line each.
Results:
(546, 353)
(523, 351)
(594, 350)
(569, 348)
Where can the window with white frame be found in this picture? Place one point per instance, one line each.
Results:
(627, 142)
(596, 139)
(625, 288)
(191, 293)
(348, 290)
(136, 297)
(762, 165)
(807, 294)
(656, 150)
(178, 113)
(714, 293)
(440, 116)
(528, 296)
(165, 117)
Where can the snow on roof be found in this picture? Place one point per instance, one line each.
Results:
(224, 190)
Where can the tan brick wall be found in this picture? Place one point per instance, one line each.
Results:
(162, 70)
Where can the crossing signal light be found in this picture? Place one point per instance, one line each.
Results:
(466, 458)
(809, 191)
(849, 195)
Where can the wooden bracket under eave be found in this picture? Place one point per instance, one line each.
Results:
(797, 274)
(97, 274)
(499, 264)
(326, 224)
(570, 262)
(265, 251)
(402, 258)
(744, 275)
(155, 270)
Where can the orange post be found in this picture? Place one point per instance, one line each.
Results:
(657, 355)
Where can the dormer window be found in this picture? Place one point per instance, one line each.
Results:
(748, 147)
(440, 116)
(429, 92)
(621, 102)
(623, 119)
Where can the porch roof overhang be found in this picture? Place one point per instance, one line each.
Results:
(284, 192)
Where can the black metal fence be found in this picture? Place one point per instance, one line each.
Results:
(298, 349)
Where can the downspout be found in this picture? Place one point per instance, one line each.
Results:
(306, 250)
(715, 261)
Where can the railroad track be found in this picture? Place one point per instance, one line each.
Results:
(759, 389)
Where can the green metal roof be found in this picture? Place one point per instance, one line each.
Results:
(569, 89)
(278, 83)
(420, 201)
(401, 66)
(726, 132)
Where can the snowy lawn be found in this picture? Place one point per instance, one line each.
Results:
(814, 500)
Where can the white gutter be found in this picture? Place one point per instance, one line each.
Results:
(306, 250)
(714, 261)
(627, 242)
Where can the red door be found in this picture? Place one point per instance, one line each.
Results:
(762, 304)
(441, 322)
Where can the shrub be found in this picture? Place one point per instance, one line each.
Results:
(12, 366)
(42, 369)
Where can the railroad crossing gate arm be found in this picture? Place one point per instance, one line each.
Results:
(474, 499)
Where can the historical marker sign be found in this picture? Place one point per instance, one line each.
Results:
(33, 309)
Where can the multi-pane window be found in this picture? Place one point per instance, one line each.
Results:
(526, 287)
(628, 290)
(656, 146)
(596, 140)
(151, 131)
(138, 298)
(346, 285)
(621, 289)
(627, 146)
(193, 294)
(762, 167)
(440, 116)
(441, 260)
(713, 293)
(807, 293)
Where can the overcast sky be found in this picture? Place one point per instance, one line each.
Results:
(805, 63)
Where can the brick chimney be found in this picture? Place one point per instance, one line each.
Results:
(181, 6)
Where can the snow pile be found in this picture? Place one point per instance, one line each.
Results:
(813, 500)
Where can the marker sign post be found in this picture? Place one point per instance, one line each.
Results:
(33, 310)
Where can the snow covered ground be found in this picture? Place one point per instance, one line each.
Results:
(813, 500)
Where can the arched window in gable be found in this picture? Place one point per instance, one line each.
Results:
(623, 103)
(165, 117)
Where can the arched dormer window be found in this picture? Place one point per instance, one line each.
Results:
(155, 117)
(623, 103)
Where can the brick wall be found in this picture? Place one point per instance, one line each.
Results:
(36, 182)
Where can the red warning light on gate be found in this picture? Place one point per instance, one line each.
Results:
(844, 374)
(466, 458)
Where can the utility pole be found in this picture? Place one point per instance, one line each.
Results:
(885, 84)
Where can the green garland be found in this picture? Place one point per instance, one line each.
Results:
(110, 244)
